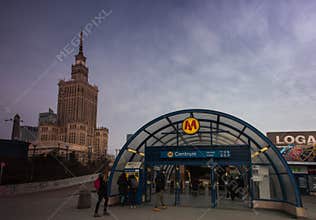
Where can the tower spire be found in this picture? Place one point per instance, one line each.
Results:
(80, 58)
(81, 43)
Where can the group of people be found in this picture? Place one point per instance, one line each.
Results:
(128, 189)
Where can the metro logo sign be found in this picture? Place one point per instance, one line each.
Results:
(190, 125)
(170, 154)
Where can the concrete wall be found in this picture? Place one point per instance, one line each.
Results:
(299, 212)
(17, 189)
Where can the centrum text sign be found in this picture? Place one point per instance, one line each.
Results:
(202, 153)
(295, 138)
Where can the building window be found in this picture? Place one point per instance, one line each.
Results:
(44, 128)
(44, 137)
(97, 143)
(82, 139)
(72, 137)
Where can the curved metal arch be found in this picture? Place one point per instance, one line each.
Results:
(219, 114)
(165, 135)
(218, 122)
(202, 137)
(177, 122)
(221, 137)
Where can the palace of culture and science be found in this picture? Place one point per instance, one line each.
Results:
(73, 130)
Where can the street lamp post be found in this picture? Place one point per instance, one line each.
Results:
(89, 154)
(67, 152)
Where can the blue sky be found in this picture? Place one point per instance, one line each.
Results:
(253, 59)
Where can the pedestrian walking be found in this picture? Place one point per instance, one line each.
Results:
(133, 185)
(160, 182)
(101, 184)
(122, 183)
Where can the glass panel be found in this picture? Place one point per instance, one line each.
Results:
(266, 184)
(211, 117)
(137, 140)
(232, 123)
(114, 186)
(255, 137)
(276, 160)
(289, 189)
(179, 117)
(154, 127)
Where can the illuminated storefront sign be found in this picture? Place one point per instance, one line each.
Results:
(203, 153)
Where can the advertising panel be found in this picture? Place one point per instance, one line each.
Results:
(295, 146)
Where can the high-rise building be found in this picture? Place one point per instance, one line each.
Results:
(15, 135)
(47, 117)
(28, 133)
(75, 127)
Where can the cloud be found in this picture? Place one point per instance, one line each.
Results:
(254, 60)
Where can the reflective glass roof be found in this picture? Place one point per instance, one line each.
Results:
(216, 128)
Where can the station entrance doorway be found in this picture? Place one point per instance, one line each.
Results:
(200, 176)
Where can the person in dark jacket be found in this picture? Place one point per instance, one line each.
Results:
(102, 194)
(160, 182)
(122, 183)
(133, 186)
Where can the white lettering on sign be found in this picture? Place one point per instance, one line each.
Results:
(185, 154)
(299, 139)
(311, 139)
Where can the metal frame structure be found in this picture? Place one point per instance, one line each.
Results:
(216, 128)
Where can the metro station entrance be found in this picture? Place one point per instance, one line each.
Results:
(199, 176)
(209, 159)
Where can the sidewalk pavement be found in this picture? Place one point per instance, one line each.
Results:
(61, 205)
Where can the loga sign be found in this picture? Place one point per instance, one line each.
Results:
(190, 125)
(295, 138)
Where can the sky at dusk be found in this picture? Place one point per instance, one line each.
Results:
(253, 59)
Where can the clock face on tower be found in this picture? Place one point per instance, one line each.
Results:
(80, 62)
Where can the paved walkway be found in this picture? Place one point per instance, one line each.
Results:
(61, 205)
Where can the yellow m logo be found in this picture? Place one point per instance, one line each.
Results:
(190, 125)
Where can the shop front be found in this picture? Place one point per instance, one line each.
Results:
(299, 150)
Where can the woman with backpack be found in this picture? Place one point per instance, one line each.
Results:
(133, 185)
(101, 184)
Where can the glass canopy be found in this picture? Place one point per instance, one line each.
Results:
(216, 128)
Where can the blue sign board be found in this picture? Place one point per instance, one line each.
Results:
(195, 153)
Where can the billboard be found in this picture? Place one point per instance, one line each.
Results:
(295, 146)
(292, 137)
